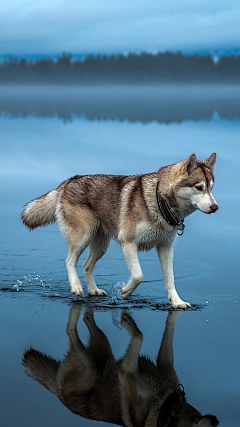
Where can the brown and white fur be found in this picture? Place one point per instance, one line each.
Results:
(91, 209)
(131, 391)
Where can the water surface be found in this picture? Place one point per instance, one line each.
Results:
(49, 134)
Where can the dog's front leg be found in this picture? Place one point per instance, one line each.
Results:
(165, 254)
(131, 256)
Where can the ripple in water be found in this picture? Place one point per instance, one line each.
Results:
(44, 287)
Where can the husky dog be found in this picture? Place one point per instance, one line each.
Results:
(132, 391)
(140, 212)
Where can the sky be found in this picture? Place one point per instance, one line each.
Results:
(33, 27)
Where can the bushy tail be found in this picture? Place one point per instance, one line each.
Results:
(41, 211)
(42, 368)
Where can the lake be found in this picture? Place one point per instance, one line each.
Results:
(49, 134)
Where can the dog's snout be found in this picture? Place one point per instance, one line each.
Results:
(214, 207)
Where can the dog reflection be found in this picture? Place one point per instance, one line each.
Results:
(132, 391)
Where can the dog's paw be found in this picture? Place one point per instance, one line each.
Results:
(127, 290)
(125, 293)
(77, 289)
(181, 304)
(176, 301)
(97, 292)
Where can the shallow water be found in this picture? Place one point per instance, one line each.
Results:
(120, 131)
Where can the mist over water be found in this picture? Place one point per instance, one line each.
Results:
(50, 133)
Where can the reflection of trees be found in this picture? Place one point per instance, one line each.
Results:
(131, 68)
(161, 103)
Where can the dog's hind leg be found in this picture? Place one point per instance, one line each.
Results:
(98, 246)
(78, 225)
(75, 250)
(131, 256)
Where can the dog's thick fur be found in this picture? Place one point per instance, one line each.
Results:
(132, 391)
(92, 209)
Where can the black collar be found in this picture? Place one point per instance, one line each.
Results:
(170, 404)
(167, 213)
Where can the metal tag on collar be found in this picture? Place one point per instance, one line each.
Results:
(180, 392)
(180, 228)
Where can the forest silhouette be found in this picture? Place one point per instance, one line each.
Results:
(133, 68)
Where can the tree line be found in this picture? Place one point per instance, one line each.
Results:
(133, 68)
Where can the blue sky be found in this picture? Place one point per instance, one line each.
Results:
(31, 27)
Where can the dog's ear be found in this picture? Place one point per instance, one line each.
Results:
(190, 164)
(210, 162)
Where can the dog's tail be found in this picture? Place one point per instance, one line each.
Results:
(41, 211)
(41, 368)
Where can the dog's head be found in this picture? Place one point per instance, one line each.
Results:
(195, 183)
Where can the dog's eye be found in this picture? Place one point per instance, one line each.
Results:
(199, 187)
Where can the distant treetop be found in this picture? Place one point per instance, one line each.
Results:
(131, 68)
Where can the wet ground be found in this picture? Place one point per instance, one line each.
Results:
(38, 151)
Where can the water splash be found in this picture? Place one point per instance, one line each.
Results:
(42, 285)
(35, 280)
(116, 292)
